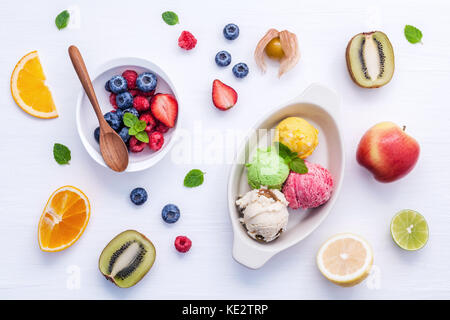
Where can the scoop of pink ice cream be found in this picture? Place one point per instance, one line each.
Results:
(308, 190)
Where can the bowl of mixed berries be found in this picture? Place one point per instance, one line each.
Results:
(139, 102)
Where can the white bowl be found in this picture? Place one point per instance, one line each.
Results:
(87, 121)
(319, 106)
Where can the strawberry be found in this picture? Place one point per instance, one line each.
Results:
(164, 108)
(224, 97)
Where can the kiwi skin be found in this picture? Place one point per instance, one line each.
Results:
(347, 59)
(107, 277)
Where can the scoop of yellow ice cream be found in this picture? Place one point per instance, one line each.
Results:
(297, 134)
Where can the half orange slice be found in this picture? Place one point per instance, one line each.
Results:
(64, 219)
(29, 90)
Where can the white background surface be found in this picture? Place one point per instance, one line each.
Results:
(416, 97)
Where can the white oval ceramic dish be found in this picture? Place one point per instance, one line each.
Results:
(87, 122)
(320, 106)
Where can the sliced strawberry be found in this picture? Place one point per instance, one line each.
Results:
(164, 108)
(224, 97)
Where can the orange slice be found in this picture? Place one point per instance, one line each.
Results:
(64, 219)
(29, 90)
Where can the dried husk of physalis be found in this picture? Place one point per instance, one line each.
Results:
(289, 44)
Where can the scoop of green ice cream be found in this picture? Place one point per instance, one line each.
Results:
(267, 168)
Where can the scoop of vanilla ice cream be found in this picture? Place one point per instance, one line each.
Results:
(265, 213)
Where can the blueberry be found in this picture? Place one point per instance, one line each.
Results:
(119, 113)
(123, 133)
(240, 70)
(138, 196)
(107, 88)
(231, 31)
(97, 134)
(132, 111)
(118, 84)
(113, 120)
(124, 100)
(170, 213)
(146, 82)
(223, 58)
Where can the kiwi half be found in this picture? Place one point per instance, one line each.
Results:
(370, 59)
(127, 258)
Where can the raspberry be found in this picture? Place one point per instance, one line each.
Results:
(187, 41)
(136, 145)
(161, 127)
(146, 94)
(148, 118)
(156, 140)
(141, 104)
(183, 243)
(112, 100)
(131, 77)
(133, 92)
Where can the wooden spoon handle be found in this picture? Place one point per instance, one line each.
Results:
(83, 75)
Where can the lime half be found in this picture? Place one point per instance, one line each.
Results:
(409, 229)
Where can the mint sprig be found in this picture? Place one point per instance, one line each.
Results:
(136, 127)
(291, 158)
(62, 19)
(61, 153)
(412, 34)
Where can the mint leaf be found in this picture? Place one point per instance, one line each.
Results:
(142, 136)
(137, 126)
(194, 178)
(298, 165)
(412, 34)
(132, 131)
(140, 126)
(129, 119)
(62, 19)
(170, 18)
(61, 153)
(283, 150)
(291, 158)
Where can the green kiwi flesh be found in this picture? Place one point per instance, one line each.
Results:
(370, 59)
(127, 258)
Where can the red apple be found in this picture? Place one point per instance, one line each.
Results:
(388, 152)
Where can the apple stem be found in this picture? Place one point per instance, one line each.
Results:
(404, 128)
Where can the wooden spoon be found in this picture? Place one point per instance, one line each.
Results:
(113, 149)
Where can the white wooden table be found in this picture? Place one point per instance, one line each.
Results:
(417, 97)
